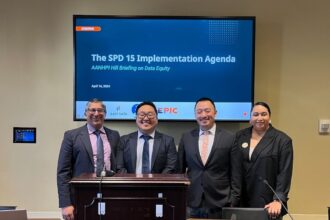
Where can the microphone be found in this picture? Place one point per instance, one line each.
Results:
(102, 174)
(276, 195)
(105, 173)
(109, 173)
(101, 203)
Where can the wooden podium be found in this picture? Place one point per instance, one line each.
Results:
(130, 196)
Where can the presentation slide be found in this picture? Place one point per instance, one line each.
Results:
(170, 61)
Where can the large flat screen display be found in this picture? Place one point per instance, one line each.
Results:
(171, 61)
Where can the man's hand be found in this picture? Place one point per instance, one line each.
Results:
(67, 213)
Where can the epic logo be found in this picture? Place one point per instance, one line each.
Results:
(168, 110)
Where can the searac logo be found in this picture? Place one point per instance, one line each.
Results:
(168, 110)
(117, 112)
(134, 108)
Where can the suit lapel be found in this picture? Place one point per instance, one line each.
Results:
(155, 148)
(133, 148)
(87, 143)
(244, 142)
(195, 146)
(215, 143)
(263, 144)
(109, 136)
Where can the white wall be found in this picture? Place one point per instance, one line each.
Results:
(36, 86)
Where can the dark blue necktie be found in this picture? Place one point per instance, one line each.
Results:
(99, 152)
(145, 154)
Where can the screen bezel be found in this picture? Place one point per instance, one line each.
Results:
(252, 18)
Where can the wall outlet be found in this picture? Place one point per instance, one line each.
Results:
(324, 126)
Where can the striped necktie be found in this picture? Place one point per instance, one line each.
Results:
(100, 152)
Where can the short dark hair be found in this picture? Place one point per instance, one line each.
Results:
(146, 103)
(264, 104)
(95, 100)
(205, 99)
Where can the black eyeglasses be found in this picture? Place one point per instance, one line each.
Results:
(142, 115)
(94, 110)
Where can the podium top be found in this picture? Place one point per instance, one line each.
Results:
(120, 178)
(13, 215)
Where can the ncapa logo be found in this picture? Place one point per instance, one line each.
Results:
(134, 108)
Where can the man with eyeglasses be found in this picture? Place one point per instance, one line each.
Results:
(88, 149)
(211, 160)
(146, 150)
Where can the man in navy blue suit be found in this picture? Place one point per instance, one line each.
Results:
(146, 150)
(211, 160)
(78, 153)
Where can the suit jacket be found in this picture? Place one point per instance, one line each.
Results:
(271, 160)
(76, 157)
(163, 159)
(217, 184)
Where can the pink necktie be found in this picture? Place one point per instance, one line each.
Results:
(204, 148)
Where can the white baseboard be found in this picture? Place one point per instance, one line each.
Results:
(306, 217)
(44, 214)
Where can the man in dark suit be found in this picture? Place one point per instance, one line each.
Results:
(79, 153)
(211, 159)
(146, 150)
